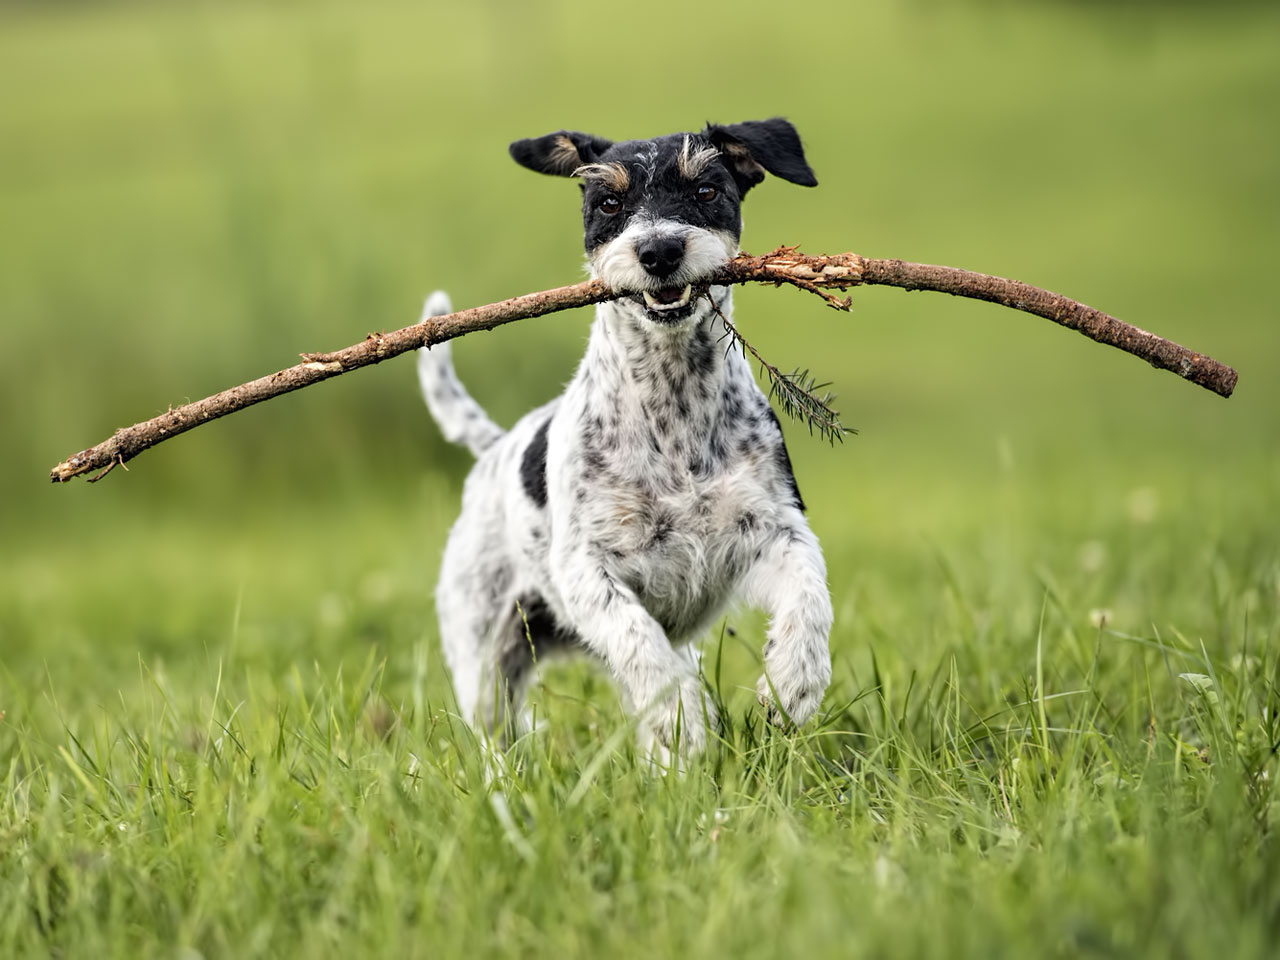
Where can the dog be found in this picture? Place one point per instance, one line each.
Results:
(622, 517)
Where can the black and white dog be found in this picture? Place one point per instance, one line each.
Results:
(622, 517)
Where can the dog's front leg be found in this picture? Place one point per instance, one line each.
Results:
(660, 682)
(789, 582)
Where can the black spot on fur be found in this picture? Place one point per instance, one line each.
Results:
(783, 461)
(533, 466)
(702, 355)
(662, 527)
(718, 450)
(610, 591)
(534, 632)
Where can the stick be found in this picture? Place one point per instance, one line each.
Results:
(816, 274)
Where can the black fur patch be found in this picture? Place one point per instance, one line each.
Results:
(535, 634)
(756, 146)
(654, 179)
(558, 154)
(533, 466)
(783, 460)
(656, 184)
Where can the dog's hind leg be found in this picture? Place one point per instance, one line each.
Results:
(493, 653)
(464, 630)
(523, 635)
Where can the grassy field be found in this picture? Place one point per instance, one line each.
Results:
(225, 725)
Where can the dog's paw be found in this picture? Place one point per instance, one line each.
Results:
(792, 690)
(681, 719)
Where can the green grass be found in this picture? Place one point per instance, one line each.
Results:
(227, 730)
(994, 775)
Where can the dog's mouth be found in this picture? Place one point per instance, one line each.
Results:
(667, 304)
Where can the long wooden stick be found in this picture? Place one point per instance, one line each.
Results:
(817, 274)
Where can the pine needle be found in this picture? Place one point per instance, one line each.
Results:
(797, 393)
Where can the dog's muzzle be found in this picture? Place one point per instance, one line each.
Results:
(662, 265)
(661, 257)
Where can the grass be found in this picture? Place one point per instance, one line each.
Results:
(227, 730)
(998, 772)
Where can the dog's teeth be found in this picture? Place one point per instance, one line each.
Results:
(653, 303)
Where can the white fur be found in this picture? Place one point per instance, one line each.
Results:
(617, 264)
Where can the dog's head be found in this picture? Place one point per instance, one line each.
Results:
(660, 215)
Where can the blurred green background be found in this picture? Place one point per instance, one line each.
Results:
(194, 193)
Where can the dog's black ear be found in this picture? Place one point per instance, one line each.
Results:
(559, 154)
(753, 147)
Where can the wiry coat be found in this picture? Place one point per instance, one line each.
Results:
(621, 518)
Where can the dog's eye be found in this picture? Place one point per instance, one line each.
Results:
(706, 193)
(609, 205)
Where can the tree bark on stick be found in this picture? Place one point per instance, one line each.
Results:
(817, 274)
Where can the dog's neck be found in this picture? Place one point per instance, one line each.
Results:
(667, 388)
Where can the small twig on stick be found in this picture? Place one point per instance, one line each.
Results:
(797, 391)
(816, 274)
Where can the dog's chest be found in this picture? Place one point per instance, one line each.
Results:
(668, 513)
(680, 539)
(669, 466)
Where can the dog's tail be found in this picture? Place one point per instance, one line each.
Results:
(461, 419)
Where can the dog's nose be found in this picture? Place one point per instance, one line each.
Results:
(660, 256)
